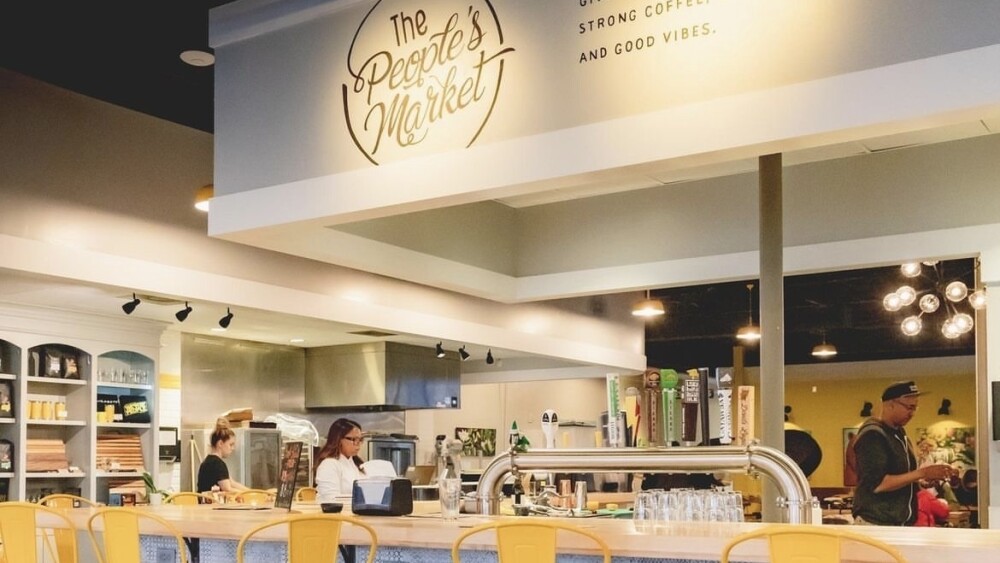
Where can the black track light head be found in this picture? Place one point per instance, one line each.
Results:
(489, 357)
(131, 305)
(224, 321)
(438, 350)
(182, 315)
(463, 354)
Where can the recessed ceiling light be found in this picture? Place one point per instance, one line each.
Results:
(198, 58)
(297, 340)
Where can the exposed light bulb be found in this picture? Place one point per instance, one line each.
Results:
(963, 322)
(949, 330)
(956, 291)
(907, 295)
(911, 326)
(911, 269)
(891, 302)
(978, 299)
(929, 303)
(931, 263)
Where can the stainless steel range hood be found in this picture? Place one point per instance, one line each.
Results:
(381, 376)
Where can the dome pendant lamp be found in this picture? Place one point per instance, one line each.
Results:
(750, 332)
(648, 307)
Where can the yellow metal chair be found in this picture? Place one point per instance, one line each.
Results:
(120, 527)
(255, 497)
(809, 544)
(312, 537)
(188, 498)
(62, 500)
(65, 540)
(305, 493)
(519, 541)
(19, 530)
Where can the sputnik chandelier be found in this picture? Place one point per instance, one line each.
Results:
(930, 299)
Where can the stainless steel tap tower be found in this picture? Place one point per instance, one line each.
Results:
(788, 477)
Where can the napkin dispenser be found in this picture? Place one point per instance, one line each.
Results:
(380, 496)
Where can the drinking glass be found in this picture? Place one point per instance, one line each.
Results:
(692, 506)
(734, 505)
(644, 511)
(668, 507)
(451, 497)
(715, 506)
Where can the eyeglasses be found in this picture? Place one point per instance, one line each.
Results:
(907, 406)
(356, 441)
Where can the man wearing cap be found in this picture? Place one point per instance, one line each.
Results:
(886, 494)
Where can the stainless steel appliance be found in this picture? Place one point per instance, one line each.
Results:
(397, 449)
(254, 463)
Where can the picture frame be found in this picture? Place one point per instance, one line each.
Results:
(477, 441)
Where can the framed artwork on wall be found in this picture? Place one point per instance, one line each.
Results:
(477, 441)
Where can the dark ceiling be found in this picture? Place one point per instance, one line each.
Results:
(127, 53)
(123, 52)
(701, 321)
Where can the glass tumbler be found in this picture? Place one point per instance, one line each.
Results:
(644, 511)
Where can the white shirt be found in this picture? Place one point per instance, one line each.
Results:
(335, 478)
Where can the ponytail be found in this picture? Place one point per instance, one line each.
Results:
(222, 432)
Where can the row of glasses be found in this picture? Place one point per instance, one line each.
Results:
(658, 507)
(132, 376)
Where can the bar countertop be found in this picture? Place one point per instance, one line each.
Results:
(694, 540)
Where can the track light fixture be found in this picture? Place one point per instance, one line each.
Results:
(131, 305)
(489, 357)
(182, 315)
(439, 350)
(462, 353)
(224, 321)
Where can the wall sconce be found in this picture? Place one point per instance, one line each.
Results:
(131, 305)
(939, 293)
(648, 307)
(203, 196)
(224, 321)
(750, 332)
(866, 409)
(489, 357)
(945, 409)
(182, 315)
(439, 350)
(462, 353)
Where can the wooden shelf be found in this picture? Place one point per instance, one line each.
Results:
(113, 474)
(8, 420)
(8, 376)
(6, 475)
(54, 380)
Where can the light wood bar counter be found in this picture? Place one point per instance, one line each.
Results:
(679, 541)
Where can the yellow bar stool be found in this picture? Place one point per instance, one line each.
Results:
(19, 529)
(65, 540)
(528, 542)
(809, 544)
(120, 527)
(312, 537)
(63, 500)
(187, 498)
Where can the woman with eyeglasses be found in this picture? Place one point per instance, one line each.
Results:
(338, 464)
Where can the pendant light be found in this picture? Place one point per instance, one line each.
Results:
(750, 332)
(203, 197)
(824, 351)
(648, 307)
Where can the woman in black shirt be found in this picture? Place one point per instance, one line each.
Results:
(213, 473)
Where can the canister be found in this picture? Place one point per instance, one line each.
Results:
(34, 410)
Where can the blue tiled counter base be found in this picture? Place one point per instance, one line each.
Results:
(159, 549)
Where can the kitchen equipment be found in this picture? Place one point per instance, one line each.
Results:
(398, 450)
(255, 462)
(425, 492)
(382, 497)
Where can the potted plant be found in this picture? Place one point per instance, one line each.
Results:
(153, 494)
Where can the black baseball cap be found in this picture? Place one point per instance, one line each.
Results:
(901, 389)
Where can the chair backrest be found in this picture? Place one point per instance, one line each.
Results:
(809, 544)
(254, 496)
(18, 532)
(305, 493)
(65, 540)
(188, 498)
(120, 527)
(528, 542)
(62, 500)
(312, 537)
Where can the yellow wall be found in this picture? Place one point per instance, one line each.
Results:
(834, 405)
